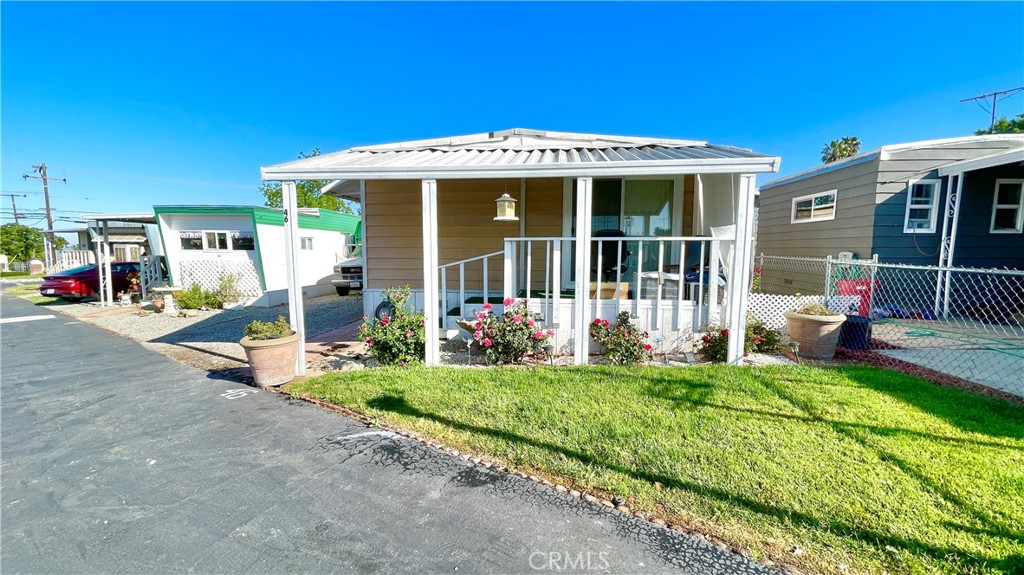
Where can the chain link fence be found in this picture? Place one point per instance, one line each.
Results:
(963, 326)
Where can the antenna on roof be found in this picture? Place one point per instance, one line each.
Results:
(996, 96)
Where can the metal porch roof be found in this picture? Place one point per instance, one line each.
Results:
(524, 153)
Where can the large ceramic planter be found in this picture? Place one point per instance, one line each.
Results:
(816, 334)
(272, 360)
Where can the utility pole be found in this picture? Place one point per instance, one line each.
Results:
(996, 96)
(41, 169)
(14, 205)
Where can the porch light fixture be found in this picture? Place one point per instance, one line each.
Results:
(506, 209)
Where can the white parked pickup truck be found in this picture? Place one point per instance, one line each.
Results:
(348, 273)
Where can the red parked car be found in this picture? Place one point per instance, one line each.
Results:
(82, 282)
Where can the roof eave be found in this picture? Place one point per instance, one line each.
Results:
(764, 164)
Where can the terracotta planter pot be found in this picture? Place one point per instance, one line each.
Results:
(816, 334)
(272, 360)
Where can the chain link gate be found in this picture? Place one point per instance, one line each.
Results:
(956, 325)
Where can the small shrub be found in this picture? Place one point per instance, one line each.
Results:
(227, 289)
(195, 297)
(399, 339)
(755, 284)
(759, 338)
(623, 343)
(815, 309)
(511, 337)
(260, 330)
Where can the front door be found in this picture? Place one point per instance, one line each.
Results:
(638, 208)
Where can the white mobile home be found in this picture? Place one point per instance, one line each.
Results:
(203, 243)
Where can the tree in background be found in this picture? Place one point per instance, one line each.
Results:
(308, 192)
(1004, 126)
(21, 243)
(839, 149)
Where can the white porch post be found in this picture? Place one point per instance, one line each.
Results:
(580, 320)
(740, 269)
(296, 313)
(430, 265)
(948, 288)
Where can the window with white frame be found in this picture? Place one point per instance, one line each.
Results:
(216, 241)
(818, 207)
(191, 240)
(306, 243)
(922, 207)
(1008, 207)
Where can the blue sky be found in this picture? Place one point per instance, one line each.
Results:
(181, 103)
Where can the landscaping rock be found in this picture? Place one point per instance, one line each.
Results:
(607, 503)
(561, 489)
(574, 493)
(590, 498)
(659, 522)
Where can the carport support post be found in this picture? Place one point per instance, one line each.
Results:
(581, 319)
(739, 274)
(296, 316)
(431, 301)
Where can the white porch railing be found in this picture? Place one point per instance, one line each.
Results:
(660, 276)
(461, 265)
(67, 259)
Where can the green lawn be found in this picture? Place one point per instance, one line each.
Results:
(31, 293)
(867, 468)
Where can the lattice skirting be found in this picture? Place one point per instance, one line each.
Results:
(207, 274)
(769, 307)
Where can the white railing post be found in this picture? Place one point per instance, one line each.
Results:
(547, 277)
(529, 269)
(680, 285)
(462, 290)
(712, 282)
(487, 279)
(639, 277)
(656, 324)
(556, 282)
(507, 289)
(444, 296)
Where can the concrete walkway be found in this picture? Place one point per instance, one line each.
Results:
(116, 459)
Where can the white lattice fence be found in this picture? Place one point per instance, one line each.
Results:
(769, 307)
(207, 274)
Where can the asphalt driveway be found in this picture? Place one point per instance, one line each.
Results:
(116, 459)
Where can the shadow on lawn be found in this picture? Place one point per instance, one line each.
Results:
(1014, 563)
(692, 393)
(864, 435)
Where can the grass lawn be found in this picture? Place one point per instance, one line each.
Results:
(857, 466)
(30, 292)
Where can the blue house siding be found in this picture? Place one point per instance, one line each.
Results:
(894, 246)
(976, 246)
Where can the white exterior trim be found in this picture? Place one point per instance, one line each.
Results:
(1019, 222)
(1004, 157)
(740, 274)
(933, 207)
(795, 201)
(592, 170)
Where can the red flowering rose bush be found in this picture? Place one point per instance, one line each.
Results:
(759, 338)
(399, 339)
(510, 337)
(623, 343)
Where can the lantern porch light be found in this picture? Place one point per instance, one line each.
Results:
(506, 209)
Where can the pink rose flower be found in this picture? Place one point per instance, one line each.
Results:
(550, 332)
(529, 322)
(385, 320)
(478, 334)
(509, 301)
(481, 314)
(487, 305)
(517, 319)
(647, 347)
(605, 323)
(487, 342)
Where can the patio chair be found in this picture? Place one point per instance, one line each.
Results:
(611, 264)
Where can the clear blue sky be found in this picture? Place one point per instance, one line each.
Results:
(181, 103)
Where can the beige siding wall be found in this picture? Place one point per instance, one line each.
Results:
(394, 236)
(849, 231)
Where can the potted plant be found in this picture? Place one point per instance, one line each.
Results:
(816, 329)
(157, 300)
(271, 348)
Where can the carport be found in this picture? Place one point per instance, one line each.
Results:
(100, 234)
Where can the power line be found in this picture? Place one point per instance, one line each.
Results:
(996, 96)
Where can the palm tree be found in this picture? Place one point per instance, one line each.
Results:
(839, 149)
